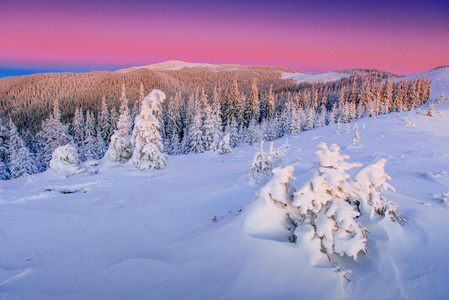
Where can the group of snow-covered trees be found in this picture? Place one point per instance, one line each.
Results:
(325, 211)
(200, 122)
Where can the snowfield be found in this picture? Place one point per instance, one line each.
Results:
(115, 232)
(311, 78)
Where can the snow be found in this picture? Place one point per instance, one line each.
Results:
(115, 232)
(312, 77)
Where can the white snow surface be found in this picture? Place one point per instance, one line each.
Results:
(313, 77)
(115, 232)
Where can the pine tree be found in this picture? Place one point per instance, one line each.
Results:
(120, 148)
(368, 185)
(21, 160)
(4, 152)
(224, 145)
(104, 123)
(252, 109)
(89, 137)
(196, 136)
(252, 133)
(146, 139)
(271, 105)
(78, 133)
(322, 203)
(53, 134)
(355, 138)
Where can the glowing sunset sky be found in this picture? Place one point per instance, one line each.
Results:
(404, 37)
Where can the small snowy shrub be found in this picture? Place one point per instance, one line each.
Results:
(431, 112)
(261, 164)
(63, 156)
(337, 129)
(264, 162)
(355, 138)
(368, 185)
(408, 122)
(224, 145)
(323, 203)
(444, 197)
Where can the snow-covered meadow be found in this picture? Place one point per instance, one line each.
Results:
(115, 232)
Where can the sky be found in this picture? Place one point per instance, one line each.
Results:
(404, 37)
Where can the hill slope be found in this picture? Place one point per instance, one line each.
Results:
(122, 233)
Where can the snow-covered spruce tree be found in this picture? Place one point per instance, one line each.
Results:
(261, 165)
(120, 148)
(104, 123)
(78, 132)
(322, 203)
(196, 136)
(431, 112)
(338, 127)
(4, 152)
(368, 184)
(442, 98)
(356, 138)
(146, 138)
(223, 146)
(89, 137)
(21, 161)
(54, 133)
(208, 128)
(252, 133)
(252, 111)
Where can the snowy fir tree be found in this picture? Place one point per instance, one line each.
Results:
(54, 133)
(337, 128)
(4, 152)
(78, 132)
(356, 138)
(90, 143)
(368, 184)
(261, 165)
(442, 98)
(146, 138)
(104, 123)
(322, 203)
(21, 161)
(120, 148)
(431, 111)
(252, 111)
(252, 134)
(224, 145)
(196, 136)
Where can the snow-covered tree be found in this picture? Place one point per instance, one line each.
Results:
(223, 145)
(21, 161)
(322, 203)
(104, 123)
(54, 133)
(196, 136)
(431, 111)
(369, 183)
(64, 157)
(356, 138)
(120, 148)
(261, 164)
(442, 98)
(252, 111)
(252, 133)
(89, 149)
(146, 138)
(78, 133)
(4, 152)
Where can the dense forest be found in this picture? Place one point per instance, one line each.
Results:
(207, 109)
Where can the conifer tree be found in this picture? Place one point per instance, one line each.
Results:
(89, 137)
(252, 109)
(4, 152)
(21, 160)
(322, 203)
(120, 148)
(146, 139)
(54, 133)
(78, 133)
(196, 136)
(271, 104)
(104, 123)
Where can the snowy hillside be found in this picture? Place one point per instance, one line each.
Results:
(169, 65)
(312, 78)
(115, 232)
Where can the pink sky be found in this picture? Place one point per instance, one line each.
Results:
(51, 34)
